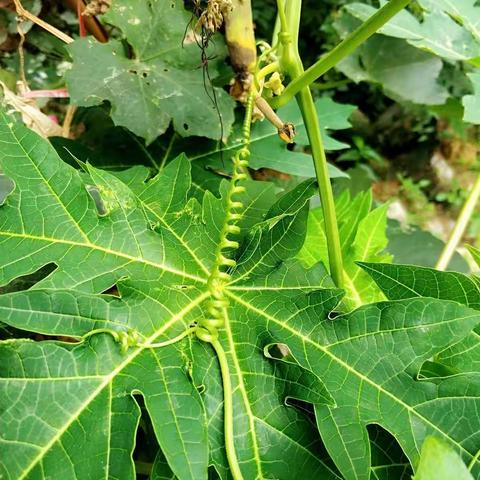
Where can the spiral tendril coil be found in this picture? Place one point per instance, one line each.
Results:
(207, 328)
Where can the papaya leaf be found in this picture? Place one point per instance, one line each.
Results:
(156, 245)
(368, 361)
(409, 281)
(160, 469)
(161, 82)
(362, 237)
(68, 409)
(388, 459)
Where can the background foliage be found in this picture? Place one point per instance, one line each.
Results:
(109, 235)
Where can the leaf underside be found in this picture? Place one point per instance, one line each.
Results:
(67, 410)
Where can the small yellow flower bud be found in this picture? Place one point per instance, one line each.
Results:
(275, 84)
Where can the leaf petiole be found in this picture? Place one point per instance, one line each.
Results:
(292, 65)
(341, 51)
(267, 70)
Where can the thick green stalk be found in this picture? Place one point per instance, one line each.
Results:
(292, 64)
(342, 50)
(460, 227)
(241, 37)
(310, 118)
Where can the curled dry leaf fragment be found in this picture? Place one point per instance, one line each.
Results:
(32, 116)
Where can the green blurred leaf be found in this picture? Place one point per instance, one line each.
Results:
(269, 151)
(466, 12)
(438, 33)
(439, 461)
(405, 72)
(471, 103)
(403, 25)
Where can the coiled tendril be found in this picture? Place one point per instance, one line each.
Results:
(207, 329)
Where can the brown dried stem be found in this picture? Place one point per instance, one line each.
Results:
(22, 12)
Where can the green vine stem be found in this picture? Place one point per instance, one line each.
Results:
(207, 329)
(126, 339)
(342, 50)
(228, 411)
(460, 227)
(131, 338)
(291, 64)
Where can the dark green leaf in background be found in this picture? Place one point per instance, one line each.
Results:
(161, 81)
(269, 151)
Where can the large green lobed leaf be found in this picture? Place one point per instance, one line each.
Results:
(410, 281)
(68, 410)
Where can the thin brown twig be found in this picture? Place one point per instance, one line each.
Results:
(22, 12)
(21, 53)
(67, 122)
(268, 112)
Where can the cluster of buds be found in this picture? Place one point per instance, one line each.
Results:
(213, 16)
(97, 7)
